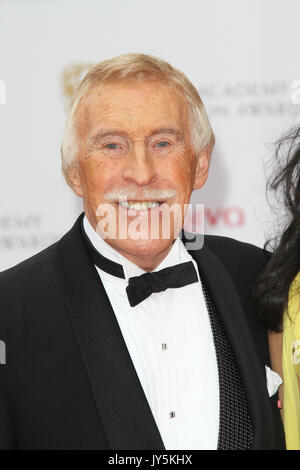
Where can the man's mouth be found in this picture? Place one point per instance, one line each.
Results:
(140, 205)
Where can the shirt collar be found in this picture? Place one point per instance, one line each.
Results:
(177, 254)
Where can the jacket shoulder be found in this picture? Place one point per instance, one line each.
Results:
(29, 266)
(28, 287)
(242, 260)
(234, 248)
(37, 280)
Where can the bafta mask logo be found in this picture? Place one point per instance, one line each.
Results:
(72, 75)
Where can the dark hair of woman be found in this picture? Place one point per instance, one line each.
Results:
(272, 288)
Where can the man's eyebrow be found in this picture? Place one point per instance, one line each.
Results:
(101, 134)
(167, 130)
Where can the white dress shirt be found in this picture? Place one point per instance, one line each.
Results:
(170, 342)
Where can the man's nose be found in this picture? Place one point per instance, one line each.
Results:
(139, 167)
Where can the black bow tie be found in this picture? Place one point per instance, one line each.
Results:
(141, 287)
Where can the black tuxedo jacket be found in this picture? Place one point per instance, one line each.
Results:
(69, 382)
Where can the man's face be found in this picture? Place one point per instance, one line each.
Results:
(134, 141)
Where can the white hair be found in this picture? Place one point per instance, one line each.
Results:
(139, 67)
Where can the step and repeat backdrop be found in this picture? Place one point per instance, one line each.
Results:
(242, 55)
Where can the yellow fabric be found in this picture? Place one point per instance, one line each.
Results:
(291, 367)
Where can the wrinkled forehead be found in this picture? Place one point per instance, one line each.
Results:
(132, 102)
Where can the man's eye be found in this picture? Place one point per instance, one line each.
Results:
(163, 144)
(111, 146)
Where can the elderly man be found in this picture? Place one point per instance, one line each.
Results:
(118, 336)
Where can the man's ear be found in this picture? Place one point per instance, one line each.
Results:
(73, 179)
(203, 160)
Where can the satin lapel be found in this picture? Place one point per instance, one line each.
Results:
(231, 312)
(121, 402)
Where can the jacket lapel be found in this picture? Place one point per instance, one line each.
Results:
(225, 296)
(120, 399)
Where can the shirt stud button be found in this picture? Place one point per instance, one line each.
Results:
(172, 414)
(164, 346)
